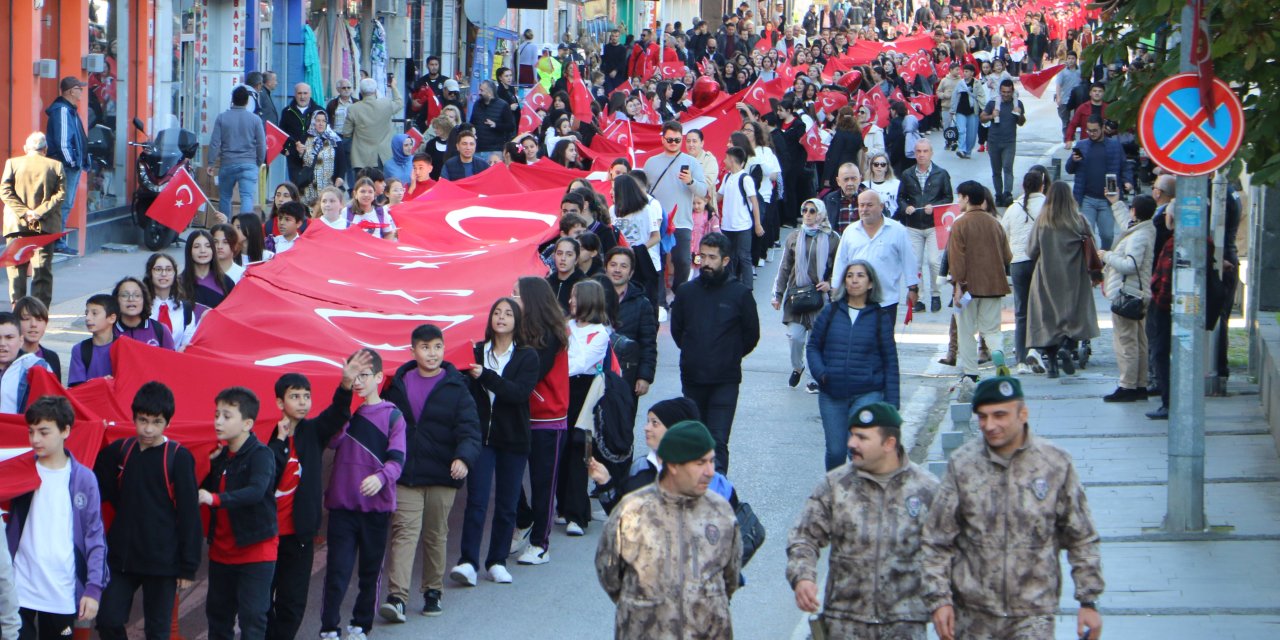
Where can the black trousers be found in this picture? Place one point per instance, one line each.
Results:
(1159, 343)
(572, 501)
(354, 534)
(545, 450)
(289, 586)
(717, 404)
(239, 592)
(117, 602)
(38, 625)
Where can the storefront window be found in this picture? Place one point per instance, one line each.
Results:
(104, 102)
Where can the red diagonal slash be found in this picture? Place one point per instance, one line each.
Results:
(1190, 127)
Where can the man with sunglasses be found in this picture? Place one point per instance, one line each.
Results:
(675, 178)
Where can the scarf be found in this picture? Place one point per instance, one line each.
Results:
(805, 273)
(329, 135)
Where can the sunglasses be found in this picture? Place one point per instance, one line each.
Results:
(879, 164)
(808, 210)
(673, 140)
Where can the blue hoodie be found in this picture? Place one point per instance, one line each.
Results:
(400, 166)
(68, 143)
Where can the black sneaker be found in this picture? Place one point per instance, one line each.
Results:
(432, 605)
(918, 307)
(812, 387)
(935, 304)
(393, 609)
(1122, 394)
(1159, 414)
(794, 380)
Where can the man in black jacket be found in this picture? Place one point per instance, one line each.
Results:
(635, 318)
(295, 121)
(443, 443)
(613, 62)
(154, 542)
(492, 118)
(922, 187)
(715, 324)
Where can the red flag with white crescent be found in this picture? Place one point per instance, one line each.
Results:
(537, 99)
(20, 248)
(814, 144)
(579, 96)
(176, 205)
(276, 139)
(416, 136)
(943, 217)
(830, 102)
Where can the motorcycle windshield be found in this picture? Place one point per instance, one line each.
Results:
(176, 143)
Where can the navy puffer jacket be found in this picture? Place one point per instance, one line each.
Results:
(849, 359)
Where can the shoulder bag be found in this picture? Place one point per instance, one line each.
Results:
(1129, 306)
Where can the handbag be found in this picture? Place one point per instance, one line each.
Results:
(806, 299)
(1091, 259)
(1129, 306)
(753, 533)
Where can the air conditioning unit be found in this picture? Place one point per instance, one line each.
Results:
(94, 63)
(46, 68)
(388, 8)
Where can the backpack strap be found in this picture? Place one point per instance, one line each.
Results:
(86, 353)
(170, 456)
(742, 189)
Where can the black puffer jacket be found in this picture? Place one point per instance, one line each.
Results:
(491, 138)
(715, 324)
(445, 429)
(636, 321)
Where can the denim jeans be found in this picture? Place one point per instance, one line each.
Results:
(967, 127)
(1098, 212)
(72, 186)
(1021, 272)
(1001, 155)
(244, 176)
(836, 413)
(740, 261)
(681, 259)
(502, 473)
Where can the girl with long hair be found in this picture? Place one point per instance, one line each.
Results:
(226, 247)
(1060, 307)
(633, 217)
(588, 345)
(134, 320)
(1019, 222)
(253, 246)
(329, 208)
(363, 210)
(171, 304)
(200, 271)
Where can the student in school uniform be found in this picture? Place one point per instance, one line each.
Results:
(154, 538)
(91, 358)
(242, 526)
(298, 444)
(15, 364)
(33, 317)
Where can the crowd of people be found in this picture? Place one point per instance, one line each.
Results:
(676, 239)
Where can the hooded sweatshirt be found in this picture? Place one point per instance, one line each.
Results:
(371, 443)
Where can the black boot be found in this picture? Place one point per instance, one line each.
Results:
(1051, 364)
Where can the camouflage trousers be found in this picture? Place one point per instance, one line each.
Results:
(976, 625)
(851, 630)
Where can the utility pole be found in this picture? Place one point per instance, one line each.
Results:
(1186, 398)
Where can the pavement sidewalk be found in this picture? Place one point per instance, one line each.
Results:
(1220, 584)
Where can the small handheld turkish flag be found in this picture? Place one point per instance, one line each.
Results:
(814, 144)
(1036, 82)
(19, 249)
(416, 136)
(943, 217)
(538, 98)
(276, 137)
(176, 205)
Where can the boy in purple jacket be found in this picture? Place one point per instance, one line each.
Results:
(368, 458)
(91, 358)
(55, 532)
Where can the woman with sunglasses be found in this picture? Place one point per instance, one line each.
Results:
(808, 256)
(880, 179)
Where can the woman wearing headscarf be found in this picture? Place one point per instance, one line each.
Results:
(320, 152)
(1060, 306)
(807, 259)
(400, 166)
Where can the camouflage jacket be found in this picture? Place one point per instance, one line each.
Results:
(993, 535)
(874, 534)
(670, 563)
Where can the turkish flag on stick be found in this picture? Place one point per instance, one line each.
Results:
(579, 96)
(943, 217)
(1036, 82)
(276, 137)
(20, 248)
(177, 204)
(814, 144)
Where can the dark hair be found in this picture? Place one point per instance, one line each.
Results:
(255, 244)
(1007, 82)
(740, 139)
(622, 251)
(511, 148)
(570, 220)
(673, 125)
(295, 210)
(969, 67)
(1035, 180)
(719, 241)
(1097, 85)
(577, 247)
(573, 198)
(610, 300)
(489, 335)
(589, 242)
(233, 239)
(595, 205)
(426, 333)
(898, 108)
(620, 161)
(1095, 119)
(641, 178)
(543, 315)
(291, 381)
(561, 151)
(146, 295)
(215, 270)
(422, 157)
(55, 408)
(695, 132)
(975, 192)
(104, 300)
(12, 318)
(153, 399)
(737, 153)
(244, 400)
(294, 195)
(240, 96)
(1144, 207)
(628, 197)
(374, 174)
(590, 306)
(33, 307)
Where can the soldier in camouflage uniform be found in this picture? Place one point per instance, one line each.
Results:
(871, 511)
(671, 553)
(1008, 504)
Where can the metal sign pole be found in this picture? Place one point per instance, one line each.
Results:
(1186, 398)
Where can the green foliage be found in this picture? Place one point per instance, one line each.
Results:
(1245, 35)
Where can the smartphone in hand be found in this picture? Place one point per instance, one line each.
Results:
(1113, 186)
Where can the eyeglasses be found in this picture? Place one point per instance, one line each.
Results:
(344, 88)
(131, 296)
(364, 376)
(673, 140)
(808, 210)
(162, 270)
(879, 164)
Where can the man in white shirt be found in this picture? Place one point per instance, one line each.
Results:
(884, 243)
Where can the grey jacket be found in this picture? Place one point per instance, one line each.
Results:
(238, 138)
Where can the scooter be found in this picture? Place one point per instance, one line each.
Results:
(161, 158)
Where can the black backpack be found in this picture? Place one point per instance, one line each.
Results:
(613, 419)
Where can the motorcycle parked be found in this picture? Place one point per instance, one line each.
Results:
(161, 158)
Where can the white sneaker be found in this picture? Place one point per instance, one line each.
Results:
(534, 555)
(573, 529)
(355, 633)
(560, 520)
(520, 540)
(464, 574)
(499, 574)
(1023, 369)
(662, 314)
(328, 635)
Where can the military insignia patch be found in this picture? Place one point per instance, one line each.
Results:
(1040, 487)
(914, 506)
(1006, 389)
(865, 417)
(713, 533)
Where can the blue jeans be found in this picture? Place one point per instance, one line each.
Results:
(967, 127)
(1098, 212)
(72, 186)
(508, 470)
(245, 176)
(836, 413)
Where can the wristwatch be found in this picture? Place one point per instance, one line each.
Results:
(1089, 605)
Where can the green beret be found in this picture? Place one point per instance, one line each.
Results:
(996, 390)
(876, 414)
(685, 442)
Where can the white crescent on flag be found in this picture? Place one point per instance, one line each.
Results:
(457, 217)
(178, 201)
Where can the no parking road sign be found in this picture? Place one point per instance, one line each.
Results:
(1174, 128)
